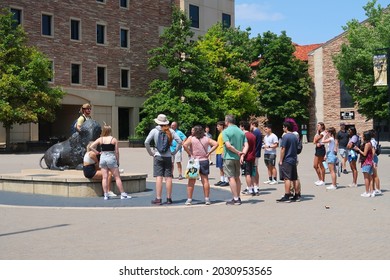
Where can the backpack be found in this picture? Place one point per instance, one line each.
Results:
(74, 124)
(162, 142)
(378, 149)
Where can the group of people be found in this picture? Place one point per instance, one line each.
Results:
(351, 148)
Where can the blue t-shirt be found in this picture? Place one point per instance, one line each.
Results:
(290, 143)
(259, 141)
(174, 143)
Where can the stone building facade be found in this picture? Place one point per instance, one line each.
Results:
(330, 103)
(99, 54)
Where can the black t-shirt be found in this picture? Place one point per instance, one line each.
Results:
(343, 138)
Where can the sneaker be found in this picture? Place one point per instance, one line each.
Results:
(157, 201)
(372, 194)
(125, 196)
(331, 187)
(320, 183)
(234, 202)
(180, 177)
(378, 192)
(284, 198)
(218, 183)
(111, 194)
(106, 197)
(169, 200)
(296, 198)
(352, 185)
(267, 182)
(224, 184)
(246, 191)
(188, 201)
(211, 163)
(273, 182)
(365, 194)
(345, 171)
(207, 201)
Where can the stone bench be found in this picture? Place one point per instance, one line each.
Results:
(68, 183)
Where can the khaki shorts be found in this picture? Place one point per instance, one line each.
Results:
(232, 168)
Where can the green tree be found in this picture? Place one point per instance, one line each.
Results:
(355, 61)
(186, 93)
(282, 80)
(25, 95)
(228, 52)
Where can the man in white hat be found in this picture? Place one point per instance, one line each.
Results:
(162, 165)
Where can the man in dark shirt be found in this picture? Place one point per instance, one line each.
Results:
(288, 162)
(342, 138)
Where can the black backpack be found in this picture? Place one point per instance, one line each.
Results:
(300, 146)
(378, 149)
(162, 142)
(74, 124)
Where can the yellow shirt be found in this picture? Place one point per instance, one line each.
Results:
(219, 150)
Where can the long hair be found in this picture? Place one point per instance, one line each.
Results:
(106, 130)
(332, 131)
(167, 131)
(322, 127)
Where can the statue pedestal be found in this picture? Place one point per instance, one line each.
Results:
(68, 183)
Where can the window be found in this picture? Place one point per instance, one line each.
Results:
(346, 100)
(101, 76)
(101, 1)
(75, 29)
(194, 16)
(226, 20)
(125, 78)
(76, 73)
(124, 38)
(100, 34)
(17, 16)
(47, 25)
(124, 3)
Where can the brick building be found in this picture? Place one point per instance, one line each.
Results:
(99, 54)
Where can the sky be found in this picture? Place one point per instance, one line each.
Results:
(305, 21)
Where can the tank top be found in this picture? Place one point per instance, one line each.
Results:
(199, 147)
(88, 159)
(108, 147)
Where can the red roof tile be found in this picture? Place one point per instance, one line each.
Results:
(301, 52)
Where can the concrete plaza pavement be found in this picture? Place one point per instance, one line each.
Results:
(328, 225)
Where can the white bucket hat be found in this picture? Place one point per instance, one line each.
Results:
(161, 120)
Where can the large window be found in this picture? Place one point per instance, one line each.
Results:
(47, 25)
(76, 73)
(124, 38)
(194, 16)
(100, 34)
(17, 15)
(346, 100)
(226, 20)
(125, 78)
(75, 29)
(101, 76)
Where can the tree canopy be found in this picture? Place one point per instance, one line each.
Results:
(25, 94)
(355, 61)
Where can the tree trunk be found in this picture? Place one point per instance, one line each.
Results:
(7, 138)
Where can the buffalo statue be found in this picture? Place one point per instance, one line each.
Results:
(69, 154)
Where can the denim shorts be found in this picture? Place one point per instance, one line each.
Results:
(218, 161)
(367, 169)
(331, 157)
(108, 160)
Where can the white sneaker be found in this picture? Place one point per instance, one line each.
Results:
(207, 201)
(273, 182)
(125, 196)
(188, 202)
(352, 185)
(320, 183)
(111, 194)
(372, 194)
(331, 187)
(267, 182)
(365, 194)
(378, 192)
(106, 197)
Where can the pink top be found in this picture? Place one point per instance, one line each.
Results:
(199, 147)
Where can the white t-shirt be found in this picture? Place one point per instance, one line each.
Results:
(268, 141)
